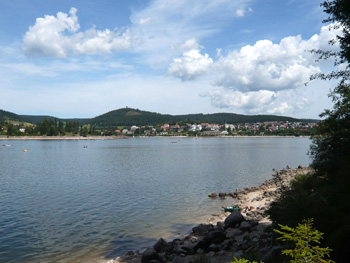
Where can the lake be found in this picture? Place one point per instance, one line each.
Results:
(61, 202)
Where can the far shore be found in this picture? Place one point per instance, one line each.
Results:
(5, 137)
(46, 138)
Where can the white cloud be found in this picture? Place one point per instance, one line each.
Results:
(190, 65)
(144, 21)
(58, 36)
(190, 44)
(253, 77)
(280, 109)
(221, 98)
(267, 66)
(240, 12)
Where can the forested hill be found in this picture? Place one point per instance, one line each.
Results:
(6, 115)
(129, 116)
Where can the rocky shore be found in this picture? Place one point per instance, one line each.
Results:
(227, 235)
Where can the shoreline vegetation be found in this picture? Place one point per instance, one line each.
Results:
(5, 137)
(227, 235)
(61, 137)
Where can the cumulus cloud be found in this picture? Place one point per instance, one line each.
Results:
(267, 66)
(252, 77)
(221, 98)
(58, 36)
(191, 64)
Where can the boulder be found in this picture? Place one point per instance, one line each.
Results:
(149, 255)
(217, 236)
(222, 194)
(245, 226)
(179, 259)
(213, 247)
(162, 246)
(212, 195)
(188, 247)
(202, 244)
(202, 229)
(233, 219)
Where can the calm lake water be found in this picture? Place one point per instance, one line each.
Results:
(61, 202)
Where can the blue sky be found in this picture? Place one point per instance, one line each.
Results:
(84, 58)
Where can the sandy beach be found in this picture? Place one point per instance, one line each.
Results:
(218, 239)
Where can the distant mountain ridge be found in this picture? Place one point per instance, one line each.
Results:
(130, 116)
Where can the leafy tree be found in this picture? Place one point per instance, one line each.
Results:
(306, 241)
(325, 194)
(10, 129)
(330, 150)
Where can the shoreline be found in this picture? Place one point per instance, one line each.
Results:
(48, 138)
(52, 138)
(226, 235)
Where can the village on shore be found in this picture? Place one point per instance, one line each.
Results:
(272, 128)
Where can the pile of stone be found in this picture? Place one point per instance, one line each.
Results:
(233, 237)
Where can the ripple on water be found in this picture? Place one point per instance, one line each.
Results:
(63, 203)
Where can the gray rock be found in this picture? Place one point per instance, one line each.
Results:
(176, 241)
(233, 219)
(231, 233)
(162, 246)
(188, 247)
(202, 229)
(212, 195)
(245, 226)
(255, 239)
(203, 244)
(220, 224)
(211, 254)
(149, 255)
(217, 236)
(162, 257)
(245, 246)
(253, 223)
(213, 247)
(179, 259)
(181, 251)
(222, 194)
(200, 251)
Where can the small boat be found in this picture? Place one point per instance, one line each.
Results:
(232, 208)
(6, 145)
(25, 150)
(85, 146)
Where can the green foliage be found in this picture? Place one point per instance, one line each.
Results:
(306, 240)
(201, 258)
(242, 260)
